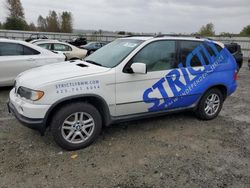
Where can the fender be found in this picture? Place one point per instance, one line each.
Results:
(105, 113)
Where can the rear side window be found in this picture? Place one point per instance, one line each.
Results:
(29, 51)
(186, 48)
(62, 47)
(211, 51)
(45, 46)
(12, 49)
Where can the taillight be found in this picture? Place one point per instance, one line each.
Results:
(235, 75)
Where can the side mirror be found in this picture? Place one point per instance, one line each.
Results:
(139, 68)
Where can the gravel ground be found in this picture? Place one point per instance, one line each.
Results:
(172, 151)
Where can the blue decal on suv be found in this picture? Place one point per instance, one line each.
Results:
(185, 93)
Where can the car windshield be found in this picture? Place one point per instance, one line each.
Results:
(113, 53)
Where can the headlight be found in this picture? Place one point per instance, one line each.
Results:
(30, 94)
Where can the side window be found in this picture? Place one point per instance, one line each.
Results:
(45, 46)
(12, 49)
(186, 48)
(61, 47)
(160, 55)
(68, 48)
(29, 51)
(211, 51)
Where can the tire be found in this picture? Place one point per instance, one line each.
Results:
(76, 126)
(208, 108)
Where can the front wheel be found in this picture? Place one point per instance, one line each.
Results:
(210, 105)
(76, 126)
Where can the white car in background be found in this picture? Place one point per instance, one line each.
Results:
(39, 40)
(70, 51)
(18, 56)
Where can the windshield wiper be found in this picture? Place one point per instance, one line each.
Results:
(94, 63)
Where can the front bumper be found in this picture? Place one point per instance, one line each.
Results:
(36, 124)
(28, 114)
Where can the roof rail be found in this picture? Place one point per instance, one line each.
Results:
(167, 35)
(173, 35)
(138, 35)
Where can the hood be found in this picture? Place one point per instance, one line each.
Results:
(57, 72)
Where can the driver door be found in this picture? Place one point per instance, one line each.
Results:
(140, 93)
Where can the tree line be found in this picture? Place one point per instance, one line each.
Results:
(208, 30)
(54, 22)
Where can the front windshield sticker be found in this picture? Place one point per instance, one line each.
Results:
(185, 82)
(72, 87)
(130, 45)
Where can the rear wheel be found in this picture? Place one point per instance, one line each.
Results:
(76, 125)
(210, 105)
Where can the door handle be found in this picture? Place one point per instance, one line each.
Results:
(31, 59)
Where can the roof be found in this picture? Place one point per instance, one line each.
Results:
(9, 40)
(139, 38)
(42, 50)
(50, 41)
(145, 38)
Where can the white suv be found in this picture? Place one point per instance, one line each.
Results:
(129, 78)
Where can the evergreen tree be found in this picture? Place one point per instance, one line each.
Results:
(42, 24)
(66, 22)
(32, 27)
(53, 22)
(15, 19)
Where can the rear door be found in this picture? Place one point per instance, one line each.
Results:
(193, 61)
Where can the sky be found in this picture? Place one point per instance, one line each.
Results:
(148, 16)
